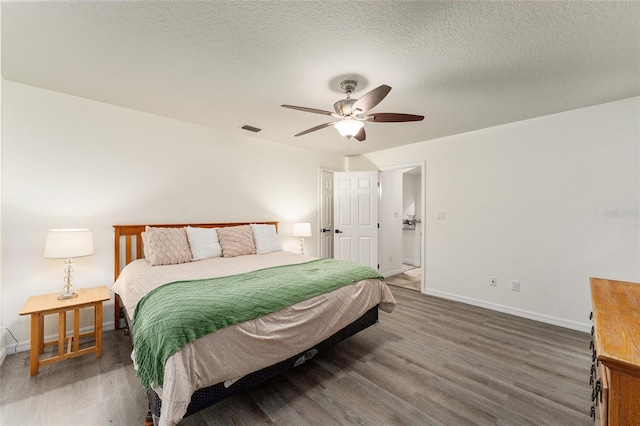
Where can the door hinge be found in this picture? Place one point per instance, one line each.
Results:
(378, 266)
(378, 226)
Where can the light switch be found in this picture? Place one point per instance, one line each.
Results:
(440, 215)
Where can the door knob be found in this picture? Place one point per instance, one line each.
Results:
(325, 230)
(338, 231)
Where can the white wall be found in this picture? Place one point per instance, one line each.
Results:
(3, 334)
(549, 202)
(72, 162)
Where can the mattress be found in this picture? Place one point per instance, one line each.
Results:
(235, 351)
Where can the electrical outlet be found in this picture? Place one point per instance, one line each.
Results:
(515, 285)
(493, 281)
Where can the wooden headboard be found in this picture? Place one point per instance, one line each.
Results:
(128, 247)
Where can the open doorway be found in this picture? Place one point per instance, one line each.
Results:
(401, 224)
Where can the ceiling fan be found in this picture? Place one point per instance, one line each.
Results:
(351, 112)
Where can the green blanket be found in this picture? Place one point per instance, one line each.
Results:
(174, 314)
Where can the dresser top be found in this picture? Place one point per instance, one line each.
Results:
(616, 318)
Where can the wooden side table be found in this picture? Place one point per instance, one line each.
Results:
(48, 304)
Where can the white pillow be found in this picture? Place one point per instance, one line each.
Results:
(266, 238)
(204, 243)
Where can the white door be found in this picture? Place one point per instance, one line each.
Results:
(326, 214)
(355, 218)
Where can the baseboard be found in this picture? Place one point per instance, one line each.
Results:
(26, 345)
(399, 270)
(411, 262)
(3, 355)
(547, 319)
(4, 333)
(392, 273)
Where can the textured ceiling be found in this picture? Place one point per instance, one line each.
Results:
(222, 64)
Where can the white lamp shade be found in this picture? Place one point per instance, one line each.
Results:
(301, 230)
(348, 128)
(68, 243)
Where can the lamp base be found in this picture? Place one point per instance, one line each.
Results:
(68, 292)
(69, 295)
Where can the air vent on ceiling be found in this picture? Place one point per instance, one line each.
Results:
(250, 128)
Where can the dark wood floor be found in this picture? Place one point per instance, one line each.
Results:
(431, 361)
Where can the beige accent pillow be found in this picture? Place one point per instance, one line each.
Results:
(236, 240)
(167, 246)
(145, 243)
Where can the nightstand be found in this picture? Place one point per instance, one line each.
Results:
(48, 304)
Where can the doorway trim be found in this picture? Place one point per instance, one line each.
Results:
(423, 206)
(321, 204)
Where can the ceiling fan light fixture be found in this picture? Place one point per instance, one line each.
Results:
(349, 127)
(352, 112)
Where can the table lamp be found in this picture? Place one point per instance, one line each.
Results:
(67, 244)
(301, 230)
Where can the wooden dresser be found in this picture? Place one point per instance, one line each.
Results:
(615, 374)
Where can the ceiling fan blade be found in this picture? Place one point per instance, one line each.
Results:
(392, 117)
(313, 129)
(370, 99)
(305, 109)
(361, 135)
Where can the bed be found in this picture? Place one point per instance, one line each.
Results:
(232, 353)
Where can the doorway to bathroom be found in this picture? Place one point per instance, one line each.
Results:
(401, 239)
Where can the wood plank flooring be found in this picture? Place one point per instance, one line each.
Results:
(410, 279)
(430, 362)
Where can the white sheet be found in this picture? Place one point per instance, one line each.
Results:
(237, 350)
